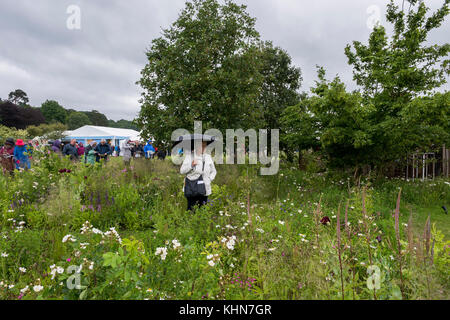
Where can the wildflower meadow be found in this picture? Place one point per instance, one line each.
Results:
(71, 231)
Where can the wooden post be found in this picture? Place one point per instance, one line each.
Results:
(423, 167)
(447, 162)
(407, 166)
(434, 167)
(444, 162)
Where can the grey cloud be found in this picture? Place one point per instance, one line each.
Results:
(97, 67)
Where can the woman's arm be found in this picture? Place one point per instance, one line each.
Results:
(213, 170)
(187, 165)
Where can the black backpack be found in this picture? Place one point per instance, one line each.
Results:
(195, 188)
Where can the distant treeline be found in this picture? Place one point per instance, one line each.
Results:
(15, 112)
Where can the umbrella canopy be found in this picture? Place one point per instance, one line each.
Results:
(193, 137)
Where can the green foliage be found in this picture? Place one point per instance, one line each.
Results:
(131, 238)
(210, 65)
(77, 119)
(49, 131)
(6, 132)
(19, 97)
(397, 76)
(397, 111)
(53, 112)
(96, 118)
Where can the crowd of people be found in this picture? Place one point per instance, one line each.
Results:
(17, 155)
(198, 167)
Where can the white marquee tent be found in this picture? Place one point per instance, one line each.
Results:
(116, 136)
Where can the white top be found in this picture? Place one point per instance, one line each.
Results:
(193, 173)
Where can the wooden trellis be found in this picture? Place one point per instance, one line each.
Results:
(426, 165)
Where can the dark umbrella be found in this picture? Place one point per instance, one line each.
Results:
(192, 138)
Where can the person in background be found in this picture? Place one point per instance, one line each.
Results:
(103, 150)
(56, 146)
(81, 149)
(133, 149)
(117, 149)
(126, 149)
(70, 149)
(138, 150)
(21, 156)
(141, 149)
(149, 150)
(90, 153)
(7, 156)
(111, 149)
(87, 149)
(161, 154)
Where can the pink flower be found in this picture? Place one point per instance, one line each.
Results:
(68, 259)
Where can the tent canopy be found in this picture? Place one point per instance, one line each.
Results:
(98, 133)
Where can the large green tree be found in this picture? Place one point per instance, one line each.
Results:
(393, 72)
(77, 120)
(205, 67)
(18, 97)
(97, 118)
(53, 112)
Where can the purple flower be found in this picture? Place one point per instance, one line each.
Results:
(325, 220)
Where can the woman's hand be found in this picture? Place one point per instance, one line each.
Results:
(194, 163)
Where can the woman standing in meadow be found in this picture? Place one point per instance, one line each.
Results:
(21, 156)
(198, 168)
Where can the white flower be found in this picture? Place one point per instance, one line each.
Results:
(161, 251)
(24, 289)
(230, 244)
(21, 269)
(4, 254)
(38, 288)
(68, 237)
(281, 222)
(83, 245)
(211, 263)
(176, 243)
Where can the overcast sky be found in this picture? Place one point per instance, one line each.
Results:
(96, 66)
